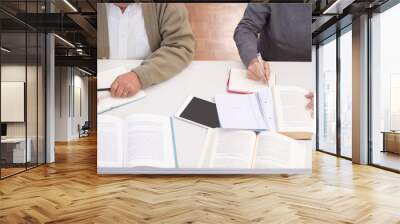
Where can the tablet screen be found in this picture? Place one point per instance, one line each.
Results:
(202, 112)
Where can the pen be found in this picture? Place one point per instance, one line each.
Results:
(261, 67)
(103, 89)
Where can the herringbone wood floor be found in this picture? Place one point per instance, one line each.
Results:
(70, 191)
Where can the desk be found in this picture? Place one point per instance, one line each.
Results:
(17, 150)
(203, 79)
(391, 141)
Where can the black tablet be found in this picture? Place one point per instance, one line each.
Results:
(199, 112)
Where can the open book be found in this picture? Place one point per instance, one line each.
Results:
(105, 101)
(246, 149)
(239, 83)
(277, 108)
(136, 141)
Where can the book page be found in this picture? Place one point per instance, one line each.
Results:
(106, 78)
(110, 139)
(240, 111)
(290, 110)
(238, 82)
(228, 149)
(266, 102)
(106, 102)
(149, 141)
(274, 150)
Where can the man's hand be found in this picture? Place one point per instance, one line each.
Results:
(126, 85)
(258, 72)
(310, 104)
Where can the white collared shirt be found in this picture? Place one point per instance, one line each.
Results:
(127, 32)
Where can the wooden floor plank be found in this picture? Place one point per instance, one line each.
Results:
(70, 191)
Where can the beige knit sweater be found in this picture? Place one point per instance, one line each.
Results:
(170, 38)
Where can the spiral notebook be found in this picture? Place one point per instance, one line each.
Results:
(238, 82)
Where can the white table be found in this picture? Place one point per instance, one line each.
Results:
(202, 79)
(19, 153)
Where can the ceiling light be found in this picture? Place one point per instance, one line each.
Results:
(70, 5)
(5, 50)
(84, 71)
(337, 7)
(64, 40)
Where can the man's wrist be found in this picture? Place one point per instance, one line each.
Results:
(136, 77)
(252, 61)
(144, 76)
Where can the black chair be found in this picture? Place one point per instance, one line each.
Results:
(84, 130)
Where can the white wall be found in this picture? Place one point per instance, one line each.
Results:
(80, 83)
(62, 82)
(69, 82)
(34, 126)
(17, 73)
(14, 73)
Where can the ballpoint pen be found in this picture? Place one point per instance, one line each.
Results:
(103, 89)
(261, 67)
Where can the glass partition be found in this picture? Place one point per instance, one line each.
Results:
(23, 90)
(327, 95)
(41, 107)
(31, 99)
(13, 92)
(346, 92)
(385, 89)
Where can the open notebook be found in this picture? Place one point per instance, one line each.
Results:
(239, 83)
(246, 149)
(140, 140)
(277, 108)
(105, 101)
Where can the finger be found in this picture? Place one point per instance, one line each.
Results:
(309, 95)
(253, 69)
(260, 71)
(132, 92)
(114, 87)
(125, 94)
(119, 91)
(310, 106)
(267, 70)
(252, 75)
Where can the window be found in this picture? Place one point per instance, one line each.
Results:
(333, 137)
(346, 92)
(385, 89)
(22, 77)
(327, 96)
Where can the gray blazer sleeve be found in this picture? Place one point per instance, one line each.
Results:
(247, 31)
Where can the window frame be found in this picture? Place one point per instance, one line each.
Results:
(27, 29)
(334, 37)
(378, 10)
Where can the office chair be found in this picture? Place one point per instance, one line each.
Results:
(84, 130)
